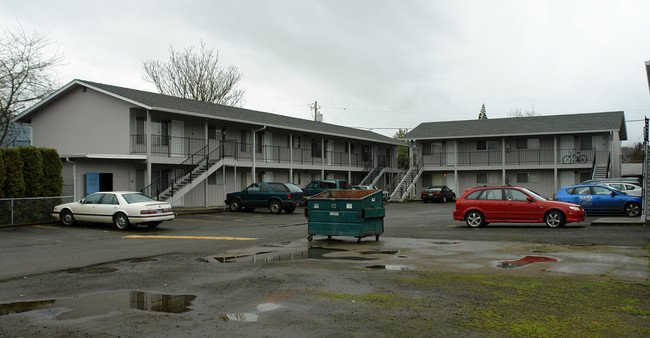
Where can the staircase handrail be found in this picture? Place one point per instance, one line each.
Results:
(190, 160)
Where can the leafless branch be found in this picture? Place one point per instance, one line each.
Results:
(196, 75)
(26, 73)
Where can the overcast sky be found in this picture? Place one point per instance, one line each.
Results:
(375, 63)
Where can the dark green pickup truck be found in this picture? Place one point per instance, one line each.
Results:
(273, 195)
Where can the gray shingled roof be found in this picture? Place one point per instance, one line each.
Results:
(519, 126)
(156, 101)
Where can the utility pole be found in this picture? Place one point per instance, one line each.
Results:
(317, 116)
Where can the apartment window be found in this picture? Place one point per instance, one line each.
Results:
(585, 142)
(139, 129)
(346, 147)
(436, 147)
(245, 140)
(259, 144)
(365, 153)
(213, 132)
(487, 178)
(527, 177)
(296, 142)
(527, 143)
(487, 145)
(426, 149)
(160, 132)
(316, 148)
(216, 178)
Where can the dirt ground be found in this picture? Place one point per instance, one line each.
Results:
(288, 290)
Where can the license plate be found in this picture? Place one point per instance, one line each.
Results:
(334, 213)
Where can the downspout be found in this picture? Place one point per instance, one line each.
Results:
(254, 151)
(74, 178)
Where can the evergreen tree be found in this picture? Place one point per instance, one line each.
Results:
(32, 170)
(14, 185)
(482, 115)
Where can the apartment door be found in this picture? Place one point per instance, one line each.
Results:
(329, 151)
(567, 178)
(176, 146)
(267, 147)
(451, 153)
(599, 143)
(567, 147)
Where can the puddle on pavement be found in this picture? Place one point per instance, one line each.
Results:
(444, 242)
(103, 303)
(393, 267)
(525, 261)
(319, 253)
(93, 270)
(250, 316)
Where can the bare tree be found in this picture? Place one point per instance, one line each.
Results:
(196, 76)
(518, 112)
(26, 75)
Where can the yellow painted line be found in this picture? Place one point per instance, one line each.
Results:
(45, 227)
(195, 237)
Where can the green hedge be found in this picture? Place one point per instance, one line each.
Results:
(29, 172)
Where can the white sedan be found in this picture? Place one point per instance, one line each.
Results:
(628, 188)
(122, 208)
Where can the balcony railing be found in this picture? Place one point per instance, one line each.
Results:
(512, 157)
(185, 146)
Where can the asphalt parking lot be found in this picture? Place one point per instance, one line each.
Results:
(256, 274)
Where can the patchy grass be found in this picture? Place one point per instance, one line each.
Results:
(500, 305)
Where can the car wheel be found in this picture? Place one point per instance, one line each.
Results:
(234, 205)
(632, 209)
(121, 221)
(290, 210)
(275, 207)
(424, 200)
(153, 225)
(66, 217)
(554, 219)
(474, 219)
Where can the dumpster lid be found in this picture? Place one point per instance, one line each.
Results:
(344, 194)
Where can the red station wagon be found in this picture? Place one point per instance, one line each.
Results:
(480, 206)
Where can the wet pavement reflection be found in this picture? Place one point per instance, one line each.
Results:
(103, 303)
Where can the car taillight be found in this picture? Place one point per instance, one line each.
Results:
(167, 210)
(147, 212)
(289, 196)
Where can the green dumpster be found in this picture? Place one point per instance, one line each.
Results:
(356, 213)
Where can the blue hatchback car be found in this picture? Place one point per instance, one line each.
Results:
(600, 199)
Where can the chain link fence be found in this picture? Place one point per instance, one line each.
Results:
(29, 209)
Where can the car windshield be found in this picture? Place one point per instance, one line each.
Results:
(137, 197)
(435, 189)
(535, 195)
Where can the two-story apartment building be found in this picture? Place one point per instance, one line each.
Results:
(192, 153)
(542, 153)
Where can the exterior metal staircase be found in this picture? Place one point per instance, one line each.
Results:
(198, 167)
(409, 178)
(373, 176)
(600, 170)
